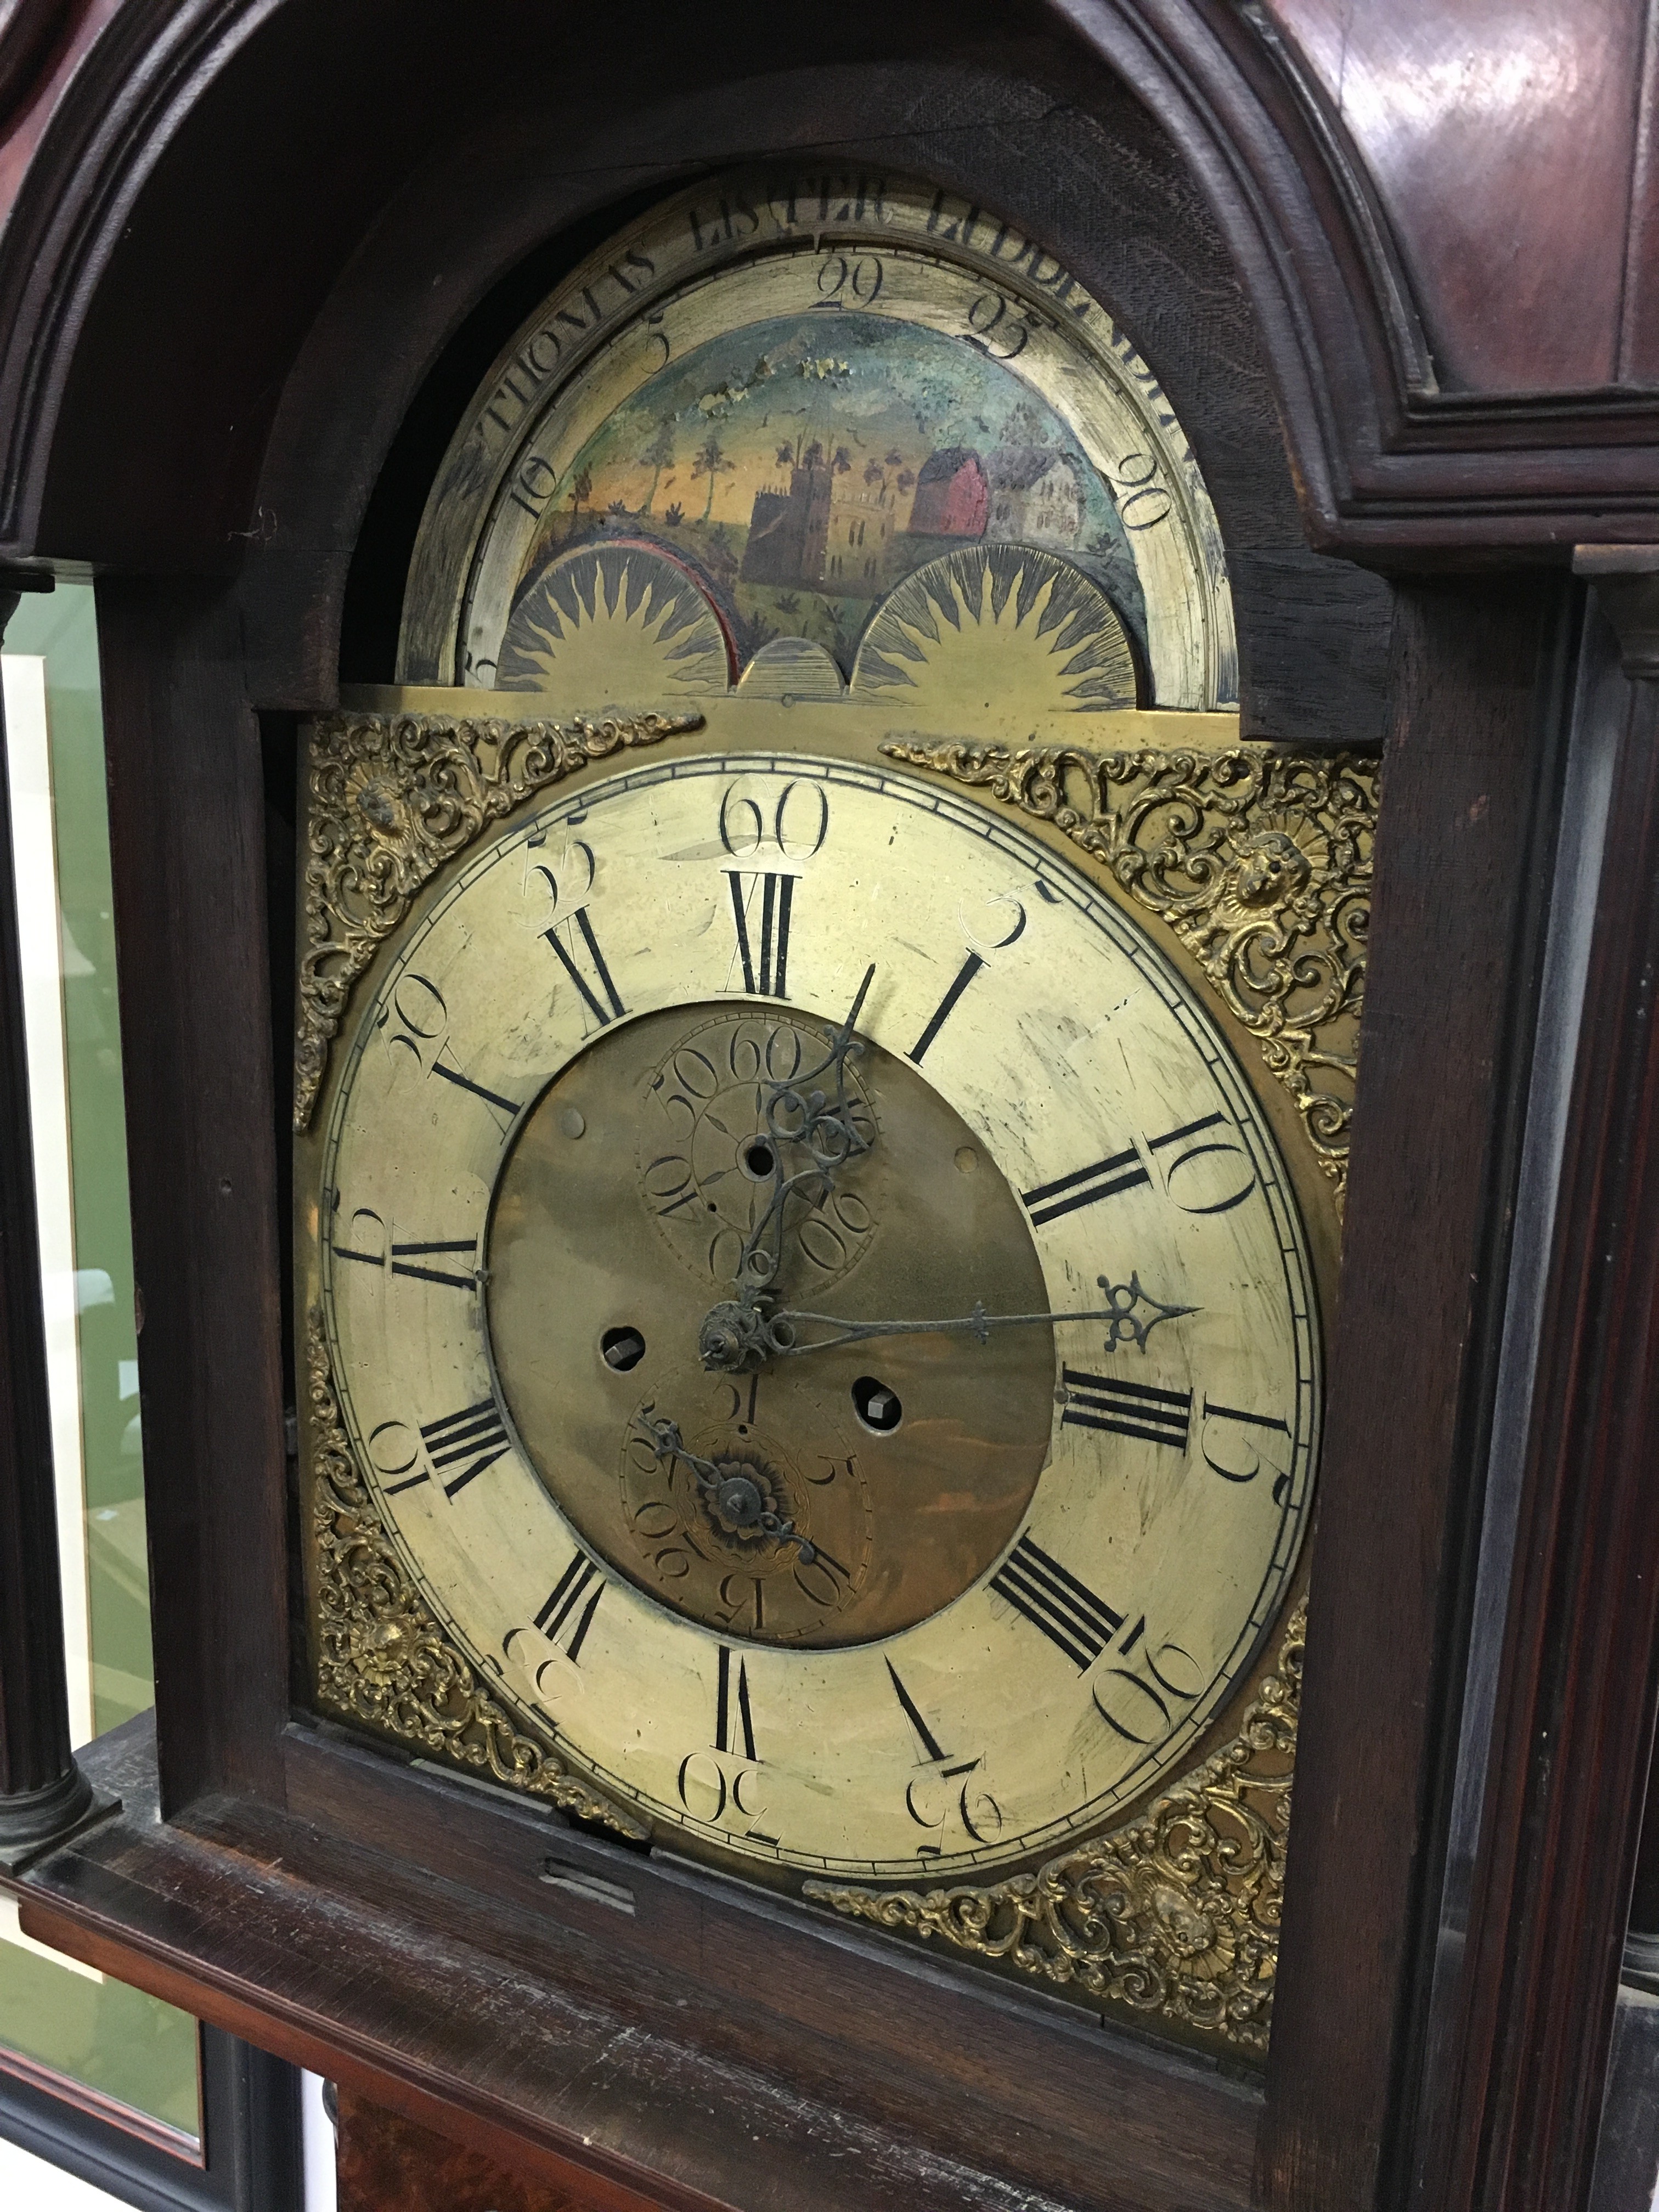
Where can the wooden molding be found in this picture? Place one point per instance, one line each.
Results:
(132, 184)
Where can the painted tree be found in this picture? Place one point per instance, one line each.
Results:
(711, 462)
(658, 456)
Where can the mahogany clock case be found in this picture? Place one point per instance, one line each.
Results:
(1461, 685)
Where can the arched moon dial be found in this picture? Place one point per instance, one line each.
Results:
(908, 1489)
(791, 408)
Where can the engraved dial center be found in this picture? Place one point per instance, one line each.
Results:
(695, 1130)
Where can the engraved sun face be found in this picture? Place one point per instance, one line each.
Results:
(615, 622)
(997, 621)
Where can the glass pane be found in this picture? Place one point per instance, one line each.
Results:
(126, 2045)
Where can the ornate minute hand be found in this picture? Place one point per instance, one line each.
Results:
(731, 1340)
(824, 1124)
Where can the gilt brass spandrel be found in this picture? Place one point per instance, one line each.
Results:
(382, 1661)
(1176, 1913)
(1260, 860)
(387, 800)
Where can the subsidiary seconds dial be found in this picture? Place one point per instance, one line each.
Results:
(824, 1314)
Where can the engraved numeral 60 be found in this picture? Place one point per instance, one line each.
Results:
(797, 821)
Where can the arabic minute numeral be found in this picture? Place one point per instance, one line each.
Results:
(1177, 1151)
(762, 903)
(795, 823)
(928, 1805)
(577, 949)
(571, 1605)
(1282, 1482)
(416, 1020)
(730, 1778)
(473, 1440)
(1145, 1695)
(1140, 1409)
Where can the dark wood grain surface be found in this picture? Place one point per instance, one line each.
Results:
(754, 2061)
(1501, 143)
(1580, 1683)
(390, 2164)
(161, 171)
(1462, 880)
(187, 840)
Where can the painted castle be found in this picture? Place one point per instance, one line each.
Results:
(836, 531)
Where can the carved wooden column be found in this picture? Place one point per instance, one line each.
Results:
(43, 1792)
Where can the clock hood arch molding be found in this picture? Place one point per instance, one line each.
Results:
(214, 201)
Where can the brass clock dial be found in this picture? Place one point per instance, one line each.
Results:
(823, 1314)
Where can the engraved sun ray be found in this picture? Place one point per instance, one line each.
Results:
(612, 622)
(995, 624)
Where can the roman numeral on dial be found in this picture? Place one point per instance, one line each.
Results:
(734, 1723)
(566, 1614)
(404, 1256)
(508, 1106)
(925, 1736)
(405, 1259)
(946, 1007)
(1127, 1409)
(760, 907)
(577, 947)
(1107, 1178)
(474, 1435)
(1069, 1613)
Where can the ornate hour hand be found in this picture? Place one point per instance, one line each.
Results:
(799, 1111)
(735, 1337)
(729, 1487)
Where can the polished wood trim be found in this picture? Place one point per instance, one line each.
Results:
(164, 163)
(1469, 778)
(1579, 1687)
(40, 1790)
(649, 2049)
(388, 2163)
(187, 841)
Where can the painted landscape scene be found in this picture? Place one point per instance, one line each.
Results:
(800, 468)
